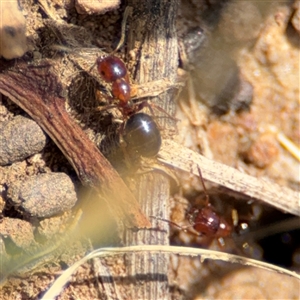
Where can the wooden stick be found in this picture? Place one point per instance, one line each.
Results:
(180, 157)
(154, 46)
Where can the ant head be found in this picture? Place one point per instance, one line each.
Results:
(205, 221)
(111, 68)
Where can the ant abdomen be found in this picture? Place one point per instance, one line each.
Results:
(142, 135)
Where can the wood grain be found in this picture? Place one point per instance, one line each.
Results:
(244, 185)
(152, 39)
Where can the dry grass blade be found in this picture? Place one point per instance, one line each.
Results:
(187, 160)
(203, 254)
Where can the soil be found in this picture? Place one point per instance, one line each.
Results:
(243, 135)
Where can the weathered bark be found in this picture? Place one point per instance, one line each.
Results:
(151, 36)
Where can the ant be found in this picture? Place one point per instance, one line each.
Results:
(139, 130)
(205, 221)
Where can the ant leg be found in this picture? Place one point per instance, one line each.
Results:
(100, 95)
(139, 106)
(183, 228)
(152, 105)
(168, 221)
(106, 107)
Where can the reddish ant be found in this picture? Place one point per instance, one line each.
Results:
(139, 130)
(205, 221)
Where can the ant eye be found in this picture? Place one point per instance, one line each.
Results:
(111, 68)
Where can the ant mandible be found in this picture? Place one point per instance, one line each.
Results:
(205, 221)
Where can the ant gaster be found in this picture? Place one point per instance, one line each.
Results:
(139, 130)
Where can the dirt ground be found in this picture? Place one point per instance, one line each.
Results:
(254, 59)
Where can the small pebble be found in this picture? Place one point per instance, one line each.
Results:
(20, 232)
(263, 151)
(43, 195)
(95, 7)
(223, 141)
(12, 30)
(20, 138)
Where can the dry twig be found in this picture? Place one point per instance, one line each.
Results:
(187, 160)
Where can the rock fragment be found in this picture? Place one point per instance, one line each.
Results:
(263, 151)
(12, 30)
(95, 7)
(20, 232)
(20, 138)
(43, 195)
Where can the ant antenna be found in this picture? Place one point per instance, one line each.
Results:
(127, 11)
(203, 185)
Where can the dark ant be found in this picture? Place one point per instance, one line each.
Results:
(205, 221)
(139, 130)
